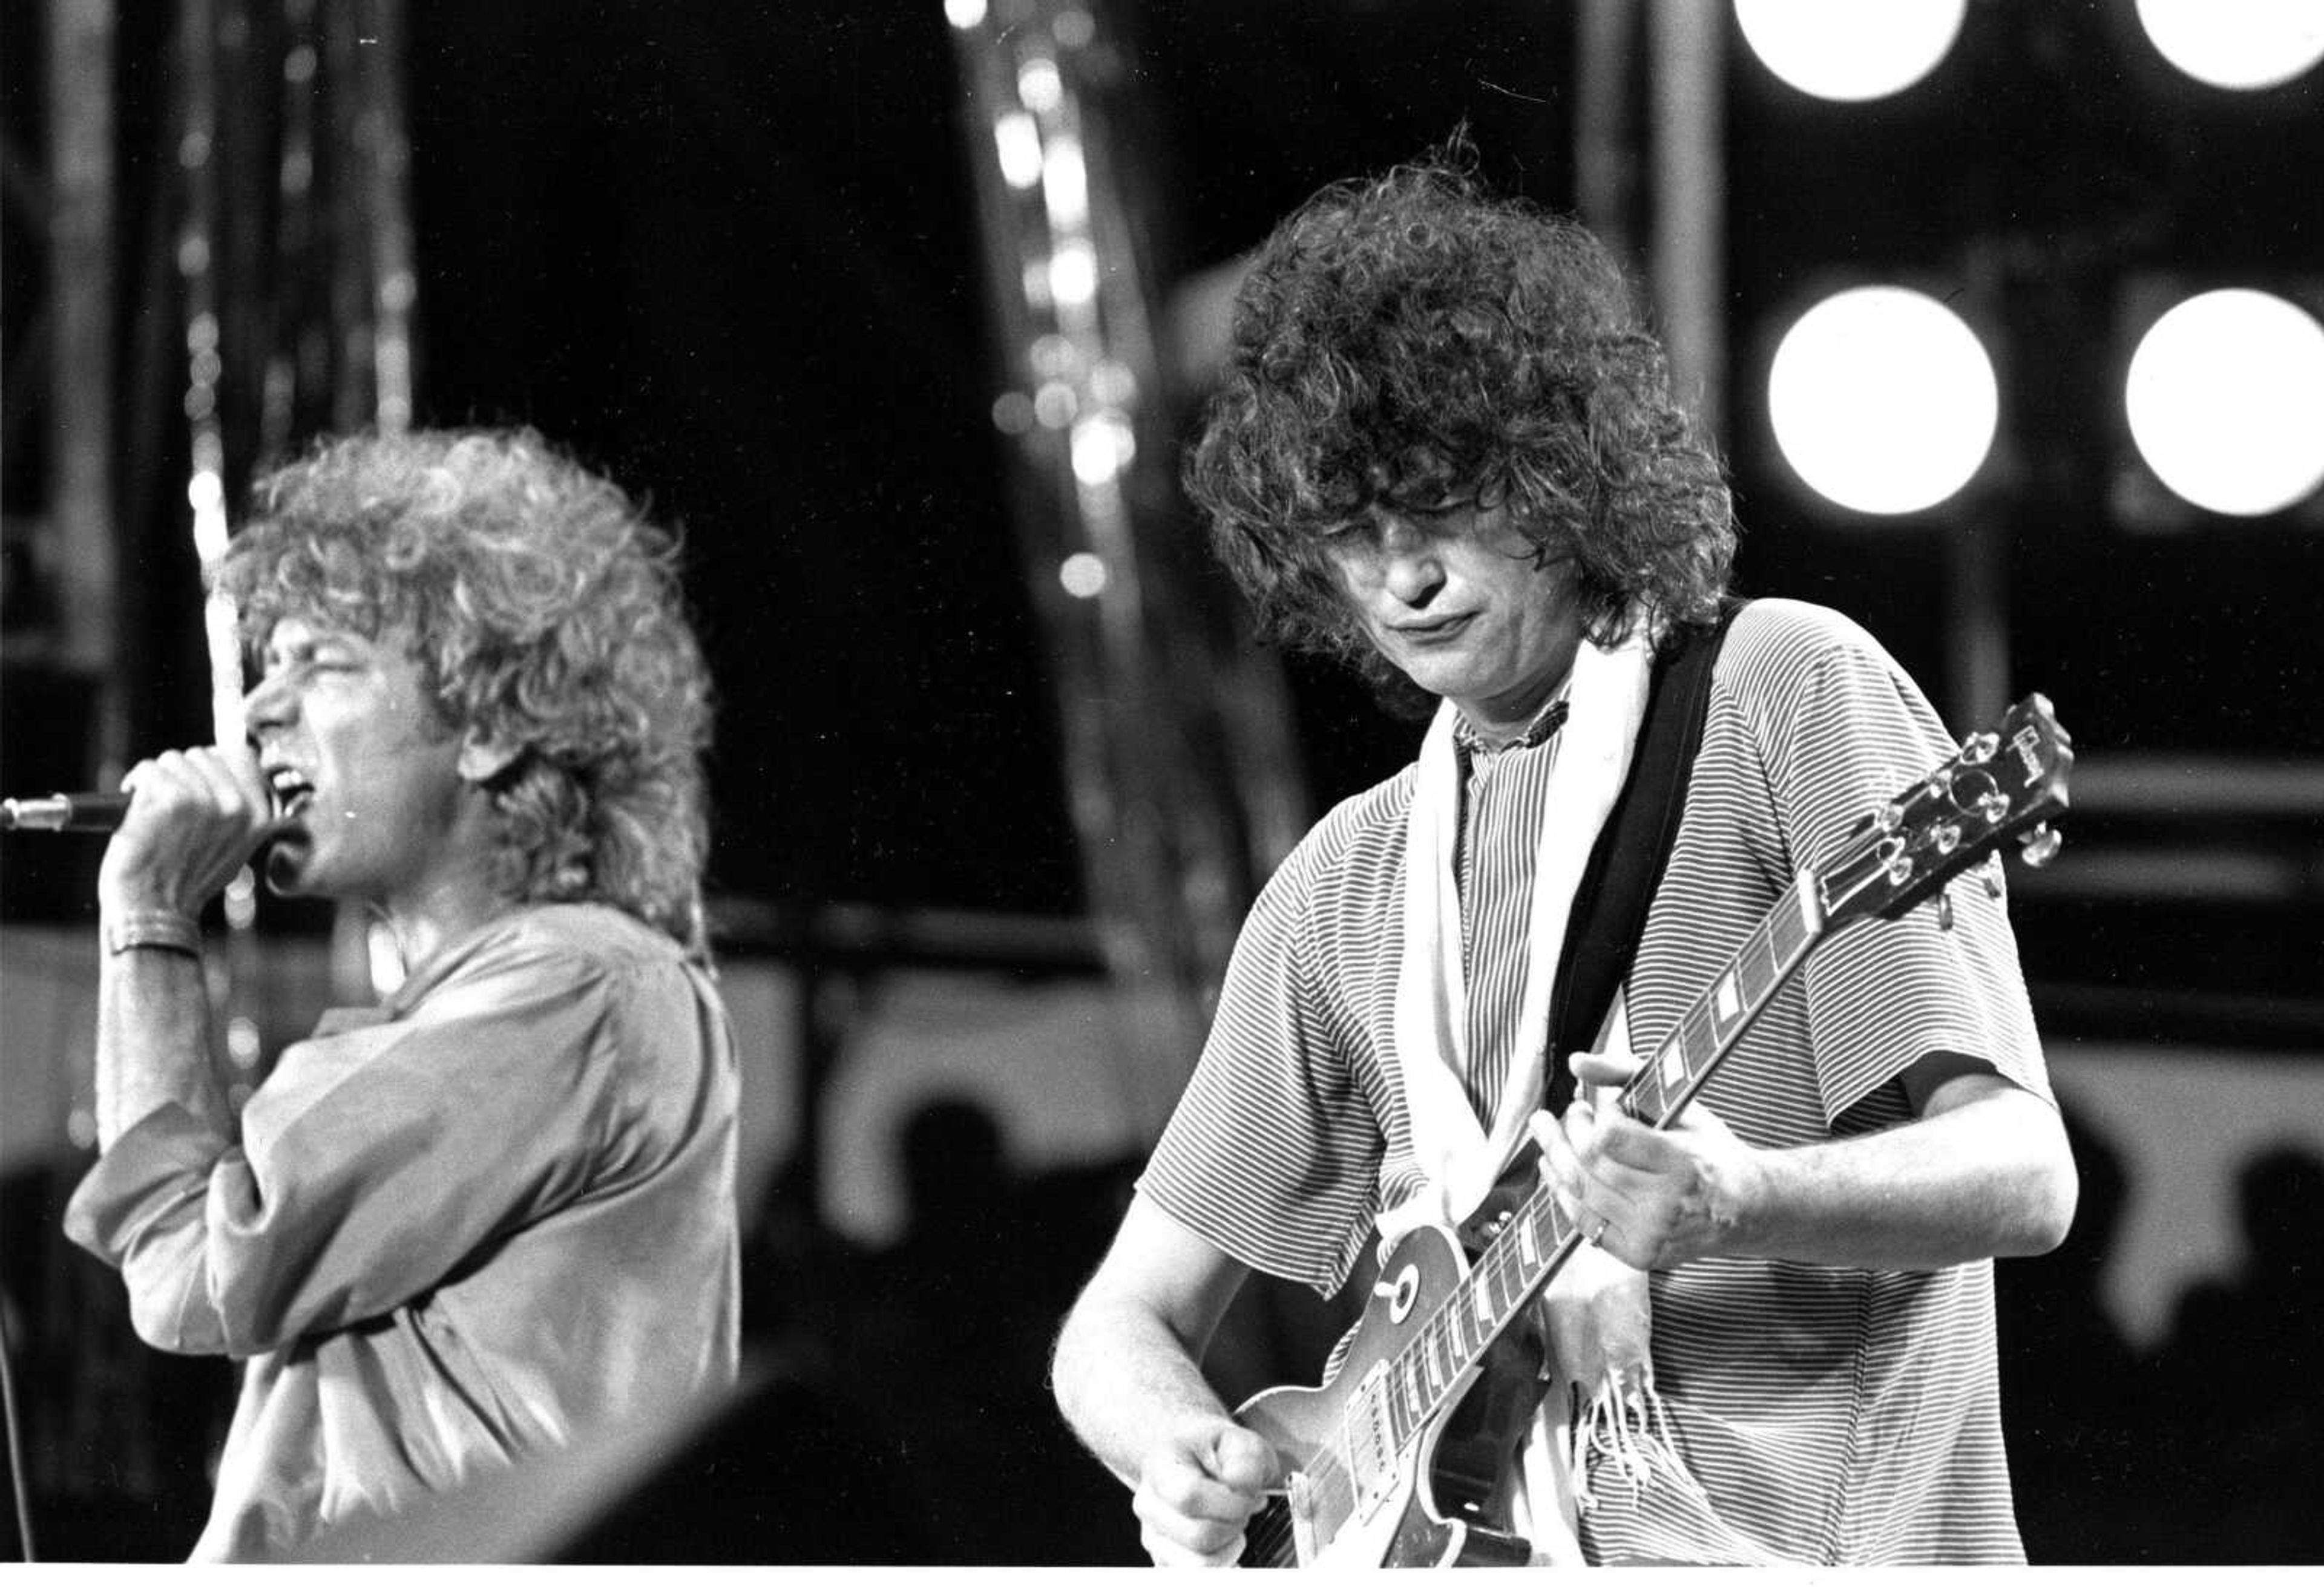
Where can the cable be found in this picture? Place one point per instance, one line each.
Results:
(15, 1439)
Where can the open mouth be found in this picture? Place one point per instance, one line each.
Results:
(291, 791)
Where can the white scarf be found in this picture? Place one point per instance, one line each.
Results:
(1596, 1307)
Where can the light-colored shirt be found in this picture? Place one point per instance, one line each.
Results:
(475, 1222)
(1833, 1416)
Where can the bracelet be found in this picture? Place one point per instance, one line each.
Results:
(164, 928)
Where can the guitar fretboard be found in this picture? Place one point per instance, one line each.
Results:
(1538, 1238)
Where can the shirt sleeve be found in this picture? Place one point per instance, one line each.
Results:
(1272, 1153)
(1882, 994)
(372, 1163)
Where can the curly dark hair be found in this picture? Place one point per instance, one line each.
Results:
(1411, 343)
(545, 611)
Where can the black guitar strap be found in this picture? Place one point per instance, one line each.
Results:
(1609, 904)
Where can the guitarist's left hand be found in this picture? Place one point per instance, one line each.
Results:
(1655, 1198)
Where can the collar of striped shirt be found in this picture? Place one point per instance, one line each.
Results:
(1546, 721)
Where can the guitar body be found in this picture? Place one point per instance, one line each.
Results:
(1443, 1501)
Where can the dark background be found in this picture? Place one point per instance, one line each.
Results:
(727, 251)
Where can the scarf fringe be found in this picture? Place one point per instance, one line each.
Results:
(1623, 1426)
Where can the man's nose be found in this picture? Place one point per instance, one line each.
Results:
(1410, 569)
(268, 704)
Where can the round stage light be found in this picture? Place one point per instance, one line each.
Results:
(2243, 44)
(1883, 399)
(2223, 396)
(1850, 50)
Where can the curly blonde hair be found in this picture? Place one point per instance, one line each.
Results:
(545, 612)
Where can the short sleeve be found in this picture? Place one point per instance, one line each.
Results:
(1851, 731)
(1272, 1153)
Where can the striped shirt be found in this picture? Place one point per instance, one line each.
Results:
(1833, 1416)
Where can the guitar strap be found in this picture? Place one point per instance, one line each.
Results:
(1610, 904)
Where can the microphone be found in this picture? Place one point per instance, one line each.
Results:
(64, 812)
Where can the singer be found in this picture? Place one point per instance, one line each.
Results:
(496, 1212)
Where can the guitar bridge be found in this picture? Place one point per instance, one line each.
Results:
(1299, 1504)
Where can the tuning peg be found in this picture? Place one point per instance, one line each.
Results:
(2041, 845)
(1991, 873)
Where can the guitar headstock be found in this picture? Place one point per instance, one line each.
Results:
(2002, 784)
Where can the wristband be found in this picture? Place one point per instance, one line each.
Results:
(165, 929)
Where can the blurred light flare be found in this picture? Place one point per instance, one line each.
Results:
(1883, 399)
(2237, 44)
(1113, 383)
(1054, 356)
(242, 1041)
(1037, 285)
(206, 492)
(1012, 412)
(1039, 86)
(1017, 140)
(1104, 446)
(1082, 574)
(1850, 50)
(964, 14)
(1055, 404)
(221, 627)
(1073, 273)
(2225, 397)
(1065, 183)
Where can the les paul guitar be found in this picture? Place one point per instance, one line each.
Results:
(1399, 1459)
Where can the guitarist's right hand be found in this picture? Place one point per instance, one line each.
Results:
(1200, 1483)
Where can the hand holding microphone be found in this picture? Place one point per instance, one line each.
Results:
(194, 817)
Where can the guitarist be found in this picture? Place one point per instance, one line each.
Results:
(1445, 449)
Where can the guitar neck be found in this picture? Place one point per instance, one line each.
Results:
(1538, 1238)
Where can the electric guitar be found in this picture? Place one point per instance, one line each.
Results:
(1401, 1458)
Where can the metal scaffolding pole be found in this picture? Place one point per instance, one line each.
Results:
(1179, 758)
(83, 520)
(1690, 200)
(1606, 156)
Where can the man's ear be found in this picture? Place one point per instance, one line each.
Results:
(483, 758)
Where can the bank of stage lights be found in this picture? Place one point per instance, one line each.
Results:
(1884, 400)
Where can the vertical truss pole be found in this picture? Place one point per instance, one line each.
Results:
(1176, 733)
(1690, 229)
(1606, 157)
(383, 153)
(373, 293)
(81, 275)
